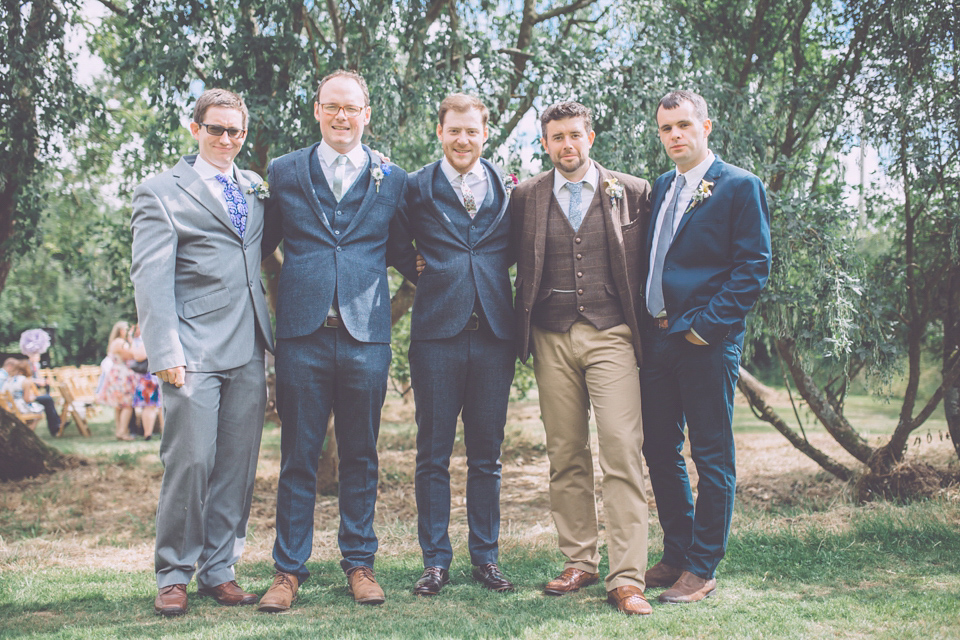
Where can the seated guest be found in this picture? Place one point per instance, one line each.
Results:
(16, 377)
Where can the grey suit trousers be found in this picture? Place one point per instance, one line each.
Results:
(211, 442)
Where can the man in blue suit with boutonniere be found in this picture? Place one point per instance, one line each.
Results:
(709, 258)
(462, 352)
(331, 204)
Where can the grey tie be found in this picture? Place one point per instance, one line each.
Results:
(574, 211)
(338, 174)
(655, 296)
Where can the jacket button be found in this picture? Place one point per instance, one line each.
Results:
(579, 256)
(336, 232)
(339, 249)
(579, 292)
(579, 273)
(581, 307)
(339, 213)
(577, 240)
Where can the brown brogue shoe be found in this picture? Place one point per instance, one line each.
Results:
(689, 588)
(489, 576)
(229, 594)
(431, 581)
(630, 600)
(661, 575)
(281, 593)
(171, 600)
(363, 586)
(569, 581)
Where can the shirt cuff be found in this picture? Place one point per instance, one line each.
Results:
(693, 331)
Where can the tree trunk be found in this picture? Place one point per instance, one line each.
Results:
(22, 453)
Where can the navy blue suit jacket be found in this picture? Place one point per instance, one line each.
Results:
(457, 272)
(317, 262)
(719, 259)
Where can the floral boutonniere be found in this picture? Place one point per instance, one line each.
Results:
(702, 193)
(614, 189)
(378, 171)
(510, 183)
(261, 190)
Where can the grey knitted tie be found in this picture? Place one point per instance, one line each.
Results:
(338, 174)
(655, 295)
(574, 211)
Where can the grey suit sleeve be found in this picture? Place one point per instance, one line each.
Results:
(401, 253)
(152, 269)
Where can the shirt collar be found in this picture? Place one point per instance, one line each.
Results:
(695, 175)
(356, 156)
(592, 177)
(208, 172)
(451, 173)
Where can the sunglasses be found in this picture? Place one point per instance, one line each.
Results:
(216, 130)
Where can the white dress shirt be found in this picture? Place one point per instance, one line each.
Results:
(209, 174)
(591, 179)
(476, 180)
(356, 162)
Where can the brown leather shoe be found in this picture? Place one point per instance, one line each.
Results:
(569, 581)
(363, 586)
(661, 575)
(281, 593)
(689, 588)
(630, 600)
(431, 581)
(229, 594)
(171, 600)
(489, 576)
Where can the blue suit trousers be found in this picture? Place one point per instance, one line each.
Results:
(469, 372)
(325, 371)
(686, 383)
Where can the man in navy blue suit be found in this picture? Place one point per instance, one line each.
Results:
(461, 337)
(709, 252)
(331, 204)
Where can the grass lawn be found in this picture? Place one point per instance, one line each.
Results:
(802, 562)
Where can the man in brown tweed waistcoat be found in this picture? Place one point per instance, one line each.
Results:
(579, 233)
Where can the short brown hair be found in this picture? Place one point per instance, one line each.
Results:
(673, 99)
(461, 103)
(343, 73)
(564, 110)
(219, 98)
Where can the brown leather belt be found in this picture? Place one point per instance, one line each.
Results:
(332, 322)
(473, 323)
(659, 323)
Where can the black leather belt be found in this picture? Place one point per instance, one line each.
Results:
(332, 322)
(473, 323)
(658, 323)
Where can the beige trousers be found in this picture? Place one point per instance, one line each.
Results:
(573, 370)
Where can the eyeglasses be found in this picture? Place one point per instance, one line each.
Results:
(350, 110)
(216, 130)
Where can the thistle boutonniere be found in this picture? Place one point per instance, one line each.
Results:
(702, 193)
(261, 190)
(614, 189)
(510, 183)
(378, 171)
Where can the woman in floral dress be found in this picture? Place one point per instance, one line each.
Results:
(120, 383)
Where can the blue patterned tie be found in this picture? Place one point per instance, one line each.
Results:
(236, 203)
(574, 211)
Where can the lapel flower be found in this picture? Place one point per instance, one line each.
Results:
(261, 190)
(510, 183)
(613, 188)
(702, 193)
(378, 171)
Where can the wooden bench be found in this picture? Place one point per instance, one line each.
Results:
(29, 418)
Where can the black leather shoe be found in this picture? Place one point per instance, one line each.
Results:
(489, 576)
(431, 581)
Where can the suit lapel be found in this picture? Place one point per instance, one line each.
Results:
(369, 196)
(495, 186)
(543, 202)
(425, 182)
(712, 175)
(618, 264)
(254, 222)
(191, 182)
(306, 184)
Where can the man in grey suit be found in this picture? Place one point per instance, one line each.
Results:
(205, 324)
(332, 205)
(461, 338)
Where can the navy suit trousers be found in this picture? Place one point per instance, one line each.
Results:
(683, 382)
(325, 371)
(469, 372)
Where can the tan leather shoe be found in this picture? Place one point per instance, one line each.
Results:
(661, 575)
(171, 600)
(569, 581)
(630, 600)
(229, 594)
(281, 593)
(363, 586)
(689, 588)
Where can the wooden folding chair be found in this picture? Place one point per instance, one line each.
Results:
(28, 418)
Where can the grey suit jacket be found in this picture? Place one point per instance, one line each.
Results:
(200, 299)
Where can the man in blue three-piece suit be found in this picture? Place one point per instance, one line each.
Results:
(461, 337)
(709, 251)
(331, 204)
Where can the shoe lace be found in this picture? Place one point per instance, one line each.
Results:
(362, 573)
(282, 579)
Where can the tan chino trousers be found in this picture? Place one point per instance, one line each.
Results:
(573, 369)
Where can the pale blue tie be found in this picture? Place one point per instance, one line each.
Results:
(575, 210)
(338, 174)
(655, 296)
